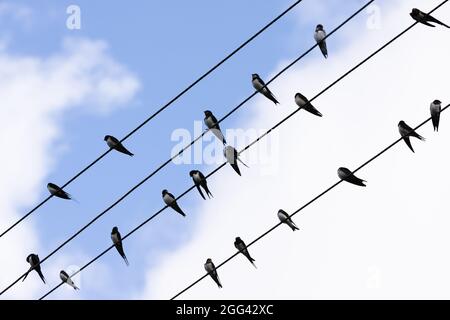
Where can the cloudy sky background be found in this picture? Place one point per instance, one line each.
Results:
(63, 90)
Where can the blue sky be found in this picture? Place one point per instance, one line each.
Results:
(165, 45)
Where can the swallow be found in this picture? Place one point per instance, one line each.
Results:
(169, 199)
(213, 125)
(425, 18)
(406, 132)
(284, 218)
(66, 279)
(435, 110)
(346, 175)
(240, 245)
(200, 182)
(319, 36)
(261, 87)
(211, 269)
(304, 103)
(115, 144)
(58, 192)
(232, 157)
(33, 260)
(117, 240)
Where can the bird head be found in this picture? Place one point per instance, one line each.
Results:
(208, 260)
(319, 27)
(63, 273)
(52, 185)
(415, 11)
(106, 137)
(238, 239)
(282, 211)
(437, 102)
(401, 123)
(115, 230)
(227, 149)
(192, 172)
(164, 192)
(32, 258)
(207, 113)
(255, 76)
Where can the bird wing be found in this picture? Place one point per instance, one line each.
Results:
(408, 142)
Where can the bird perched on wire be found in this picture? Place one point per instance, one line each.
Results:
(435, 110)
(346, 175)
(213, 125)
(66, 279)
(240, 245)
(261, 87)
(319, 36)
(232, 157)
(303, 103)
(200, 182)
(170, 201)
(58, 192)
(406, 132)
(285, 218)
(115, 144)
(33, 260)
(117, 240)
(425, 18)
(211, 269)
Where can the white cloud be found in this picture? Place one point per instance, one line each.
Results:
(388, 240)
(34, 93)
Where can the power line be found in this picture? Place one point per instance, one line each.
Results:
(302, 207)
(247, 147)
(179, 95)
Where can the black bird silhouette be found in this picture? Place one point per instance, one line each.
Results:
(115, 144)
(285, 218)
(58, 192)
(213, 125)
(406, 132)
(117, 240)
(319, 36)
(304, 103)
(169, 199)
(425, 18)
(346, 175)
(66, 279)
(33, 260)
(211, 269)
(262, 88)
(435, 110)
(240, 245)
(200, 182)
(232, 157)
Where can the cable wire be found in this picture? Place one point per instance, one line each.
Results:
(302, 207)
(179, 95)
(247, 147)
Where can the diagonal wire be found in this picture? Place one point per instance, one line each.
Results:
(278, 124)
(301, 208)
(179, 95)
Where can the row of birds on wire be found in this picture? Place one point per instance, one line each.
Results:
(232, 157)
